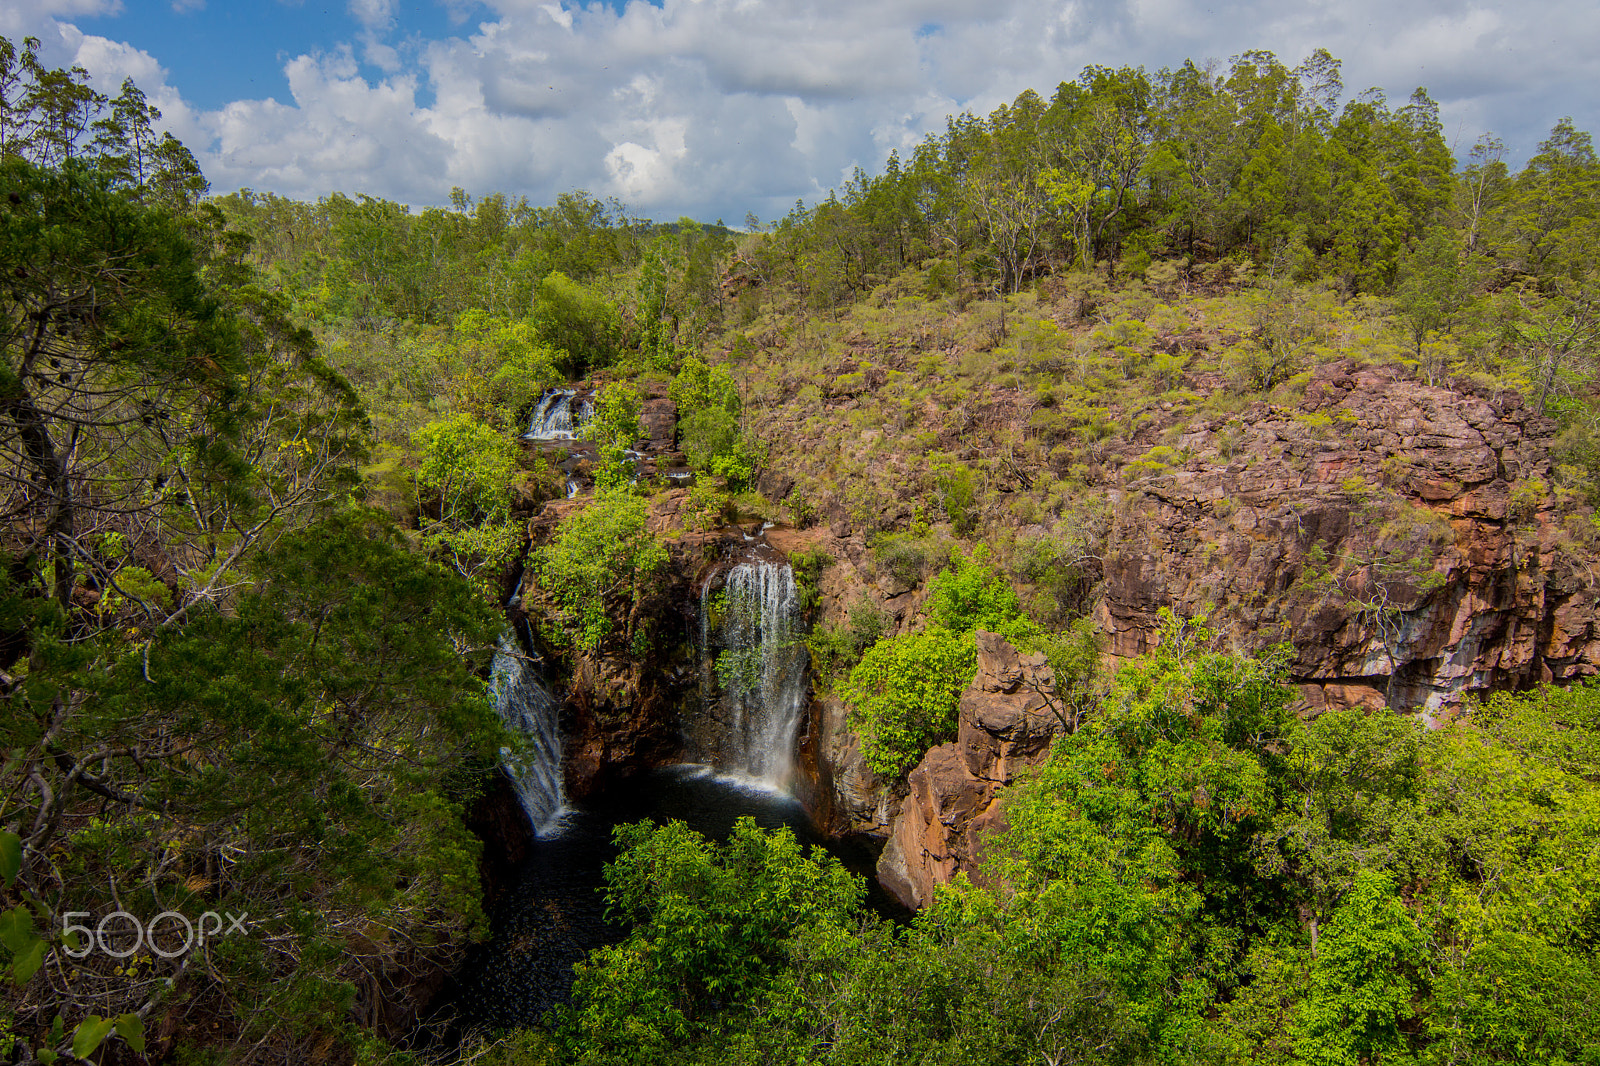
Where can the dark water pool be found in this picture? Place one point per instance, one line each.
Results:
(556, 916)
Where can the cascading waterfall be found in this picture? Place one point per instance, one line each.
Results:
(762, 670)
(528, 708)
(559, 415)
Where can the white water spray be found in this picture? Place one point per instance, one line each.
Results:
(762, 668)
(559, 415)
(528, 708)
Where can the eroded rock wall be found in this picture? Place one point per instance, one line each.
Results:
(1297, 524)
(1006, 722)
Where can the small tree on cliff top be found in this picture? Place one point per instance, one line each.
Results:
(600, 565)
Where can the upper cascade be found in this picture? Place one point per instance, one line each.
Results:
(762, 669)
(559, 415)
(527, 707)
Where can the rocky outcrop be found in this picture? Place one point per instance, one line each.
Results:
(842, 793)
(622, 714)
(1006, 722)
(659, 418)
(1399, 534)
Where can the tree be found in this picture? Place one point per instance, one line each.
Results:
(904, 695)
(1003, 188)
(1105, 143)
(615, 428)
(463, 485)
(117, 361)
(297, 758)
(601, 564)
(1435, 282)
(1482, 187)
(1363, 981)
(579, 322)
(1554, 201)
(714, 925)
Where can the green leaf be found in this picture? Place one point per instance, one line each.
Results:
(27, 962)
(131, 1029)
(16, 929)
(45, 1056)
(10, 856)
(91, 1033)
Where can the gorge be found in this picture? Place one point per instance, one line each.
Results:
(1120, 585)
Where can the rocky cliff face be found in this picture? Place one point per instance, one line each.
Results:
(1006, 722)
(1400, 535)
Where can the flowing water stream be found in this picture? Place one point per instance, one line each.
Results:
(754, 673)
(760, 667)
(527, 707)
(559, 415)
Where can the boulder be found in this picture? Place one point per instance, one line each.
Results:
(1006, 722)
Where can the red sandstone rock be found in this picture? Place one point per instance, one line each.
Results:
(1507, 602)
(1006, 722)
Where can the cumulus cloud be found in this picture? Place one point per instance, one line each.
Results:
(375, 15)
(714, 107)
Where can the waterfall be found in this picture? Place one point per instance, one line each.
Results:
(762, 669)
(527, 708)
(558, 415)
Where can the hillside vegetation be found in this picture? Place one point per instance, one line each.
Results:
(263, 496)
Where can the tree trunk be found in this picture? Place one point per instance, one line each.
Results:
(52, 471)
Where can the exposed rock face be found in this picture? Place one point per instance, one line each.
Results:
(1400, 535)
(837, 787)
(622, 715)
(659, 417)
(1396, 533)
(622, 712)
(1006, 722)
(843, 795)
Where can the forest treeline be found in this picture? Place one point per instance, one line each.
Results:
(262, 490)
(1118, 168)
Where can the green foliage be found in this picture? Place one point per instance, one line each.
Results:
(1193, 875)
(577, 322)
(957, 488)
(904, 695)
(971, 595)
(325, 721)
(708, 424)
(505, 365)
(903, 556)
(601, 564)
(905, 691)
(615, 428)
(466, 466)
(1434, 285)
(713, 926)
(1364, 980)
(835, 650)
(808, 565)
(463, 486)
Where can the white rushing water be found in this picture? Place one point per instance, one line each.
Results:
(762, 669)
(528, 708)
(559, 415)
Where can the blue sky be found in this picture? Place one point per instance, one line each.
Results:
(219, 51)
(712, 108)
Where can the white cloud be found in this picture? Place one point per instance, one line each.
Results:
(375, 15)
(713, 107)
